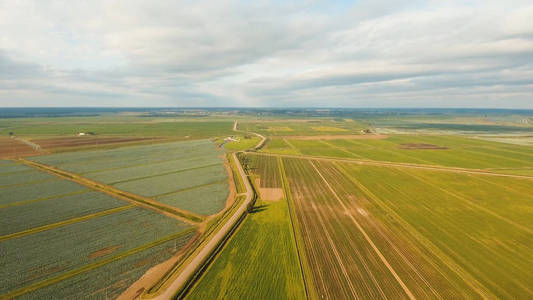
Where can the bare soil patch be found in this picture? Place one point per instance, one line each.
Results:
(65, 142)
(415, 146)
(340, 137)
(104, 251)
(11, 148)
(269, 194)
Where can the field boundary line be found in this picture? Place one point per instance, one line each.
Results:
(59, 196)
(469, 201)
(393, 164)
(367, 238)
(94, 265)
(26, 183)
(137, 164)
(65, 222)
(449, 262)
(145, 202)
(191, 188)
(163, 174)
(182, 277)
(340, 149)
(286, 189)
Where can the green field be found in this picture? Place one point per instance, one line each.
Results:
(261, 257)
(318, 126)
(56, 232)
(117, 125)
(452, 151)
(429, 234)
(188, 175)
(242, 143)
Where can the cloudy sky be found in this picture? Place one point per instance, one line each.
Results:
(258, 53)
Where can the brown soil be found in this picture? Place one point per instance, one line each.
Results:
(104, 251)
(269, 194)
(414, 146)
(340, 137)
(65, 142)
(154, 274)
(11, 148)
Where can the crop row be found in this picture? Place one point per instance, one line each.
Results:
(40, 190)
(110, 280)
(441, 150)
(19, 178)
(424, 274)
(405, 232)
(8, 167)
(22, 217)
(155, 170)
(266, 167)
(259, 262)
(36, 257)
(139, 172)
(86, 161)
(165, 184)
(343, 265)
(204, 200)
(467, 221)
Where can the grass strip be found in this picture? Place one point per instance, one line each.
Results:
(45, 198)
(63, 223)
(212, 227)
(89, 267)
(239, 185)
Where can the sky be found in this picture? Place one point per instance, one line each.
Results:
(267, 53)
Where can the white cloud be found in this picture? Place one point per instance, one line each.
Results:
(225, 53)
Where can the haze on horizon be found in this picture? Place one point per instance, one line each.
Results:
(259, 53)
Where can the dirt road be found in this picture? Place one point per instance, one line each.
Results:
(178, 280)
(392, 164)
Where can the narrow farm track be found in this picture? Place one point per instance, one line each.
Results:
(367, 238)
(400, 165)
(178, 281)
(177, 213)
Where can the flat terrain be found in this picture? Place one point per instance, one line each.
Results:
(383, 232)
(116, 125)
(187, 175)
(56, 233)
(304, 127)
(84, 141)
(452, 151)
(261, 257)
(12, 148)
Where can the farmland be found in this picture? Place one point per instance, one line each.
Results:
(81, 235)
(350, 206)
(304, 127)
(382, 236)
(187, 175)
(452, 151)
(12, 148)
(115, 126)
(264, 239)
